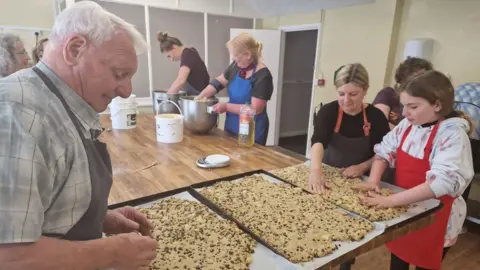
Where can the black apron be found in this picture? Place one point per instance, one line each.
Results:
(90, 225)
(343, 152)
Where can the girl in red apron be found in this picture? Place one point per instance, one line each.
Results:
(431, 152)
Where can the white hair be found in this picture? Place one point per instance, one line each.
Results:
(95, 23)
(7, 53)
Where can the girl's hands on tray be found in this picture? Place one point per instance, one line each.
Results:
(367, 186)
(354, 171)
(377, 200)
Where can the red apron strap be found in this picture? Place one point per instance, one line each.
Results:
(366, 124)
(339, 119)
(428, 147)
(404, 136)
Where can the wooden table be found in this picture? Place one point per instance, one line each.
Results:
(142, 166)
(133, 152)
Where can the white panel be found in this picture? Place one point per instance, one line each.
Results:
(219, 7)
(215, 7)
(273, 46)
(270, 8)
(156, 3)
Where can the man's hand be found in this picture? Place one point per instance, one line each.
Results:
(133, 252)
(126, 220)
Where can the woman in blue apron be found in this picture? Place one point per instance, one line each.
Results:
(346, 130)
(193, 75)
(248, 80)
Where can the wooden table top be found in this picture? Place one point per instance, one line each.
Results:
(142, 166)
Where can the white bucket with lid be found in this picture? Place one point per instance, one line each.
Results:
(123, 112)
(169, 126)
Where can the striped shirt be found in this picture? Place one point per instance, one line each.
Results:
(467, 99)
(44, 177)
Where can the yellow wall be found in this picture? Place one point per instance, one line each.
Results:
(455, 28)
(28, 13)
(352, 34)
(375, 35)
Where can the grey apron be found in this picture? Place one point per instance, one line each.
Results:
(190, 90)
(90, 225)
(342, 151)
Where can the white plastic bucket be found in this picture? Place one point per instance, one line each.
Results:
(169, 126)
(123, 112)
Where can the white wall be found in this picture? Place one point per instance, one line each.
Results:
(238, 8)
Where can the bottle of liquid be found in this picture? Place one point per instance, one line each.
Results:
(246, 130)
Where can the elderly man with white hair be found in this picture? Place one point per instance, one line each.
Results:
(13, 56)
(55, 175)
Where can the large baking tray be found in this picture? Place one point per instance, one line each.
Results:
(317, 263)
(414, 213)
(263, 257)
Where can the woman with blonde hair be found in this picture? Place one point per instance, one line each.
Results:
(431, 152)
(248, 80)
(346, 130)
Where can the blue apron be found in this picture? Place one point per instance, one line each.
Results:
(240, 92)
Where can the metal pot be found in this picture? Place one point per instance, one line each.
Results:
(166, 107)
(198, 118)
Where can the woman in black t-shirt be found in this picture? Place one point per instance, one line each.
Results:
(193, 75)
(387, 100)
(346, 130)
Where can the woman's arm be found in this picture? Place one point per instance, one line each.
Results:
(179, 82)
(384, 108)
(316, 180)
(257, 103)
(386, 111)
(211, 90)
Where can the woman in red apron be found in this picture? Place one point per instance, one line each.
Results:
(431, 151)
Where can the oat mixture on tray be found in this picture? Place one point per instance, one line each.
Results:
(340, 192)
(190, 236)
(299, 225)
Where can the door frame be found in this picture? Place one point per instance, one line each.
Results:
(316, 69)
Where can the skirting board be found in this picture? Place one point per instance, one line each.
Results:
(293, 133)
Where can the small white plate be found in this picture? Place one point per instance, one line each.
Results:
(217, 159)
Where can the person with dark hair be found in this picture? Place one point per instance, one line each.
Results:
(387, 100)
(192, 76)
(431, 151)
(37, 52)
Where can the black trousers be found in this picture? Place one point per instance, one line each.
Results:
(398, 264)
